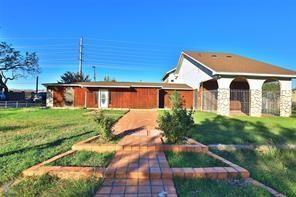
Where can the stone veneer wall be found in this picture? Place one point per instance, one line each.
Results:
(49, 98)
(255, 102)
(223, 101)
(286, 103)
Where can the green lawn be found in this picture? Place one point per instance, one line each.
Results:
(212, 129)
(204, 187)
(191, 160)
(32, 135)
(84, 158)
(52, 186)
(276, 168)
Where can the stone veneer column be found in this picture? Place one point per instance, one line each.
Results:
(49, 98)
(255, 96)
(223, 101)
(256, 102)
(286, 103)
(286, 98)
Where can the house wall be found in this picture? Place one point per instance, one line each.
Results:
(141, 98)
(170, 78)
(192, 73)
(79, 97)
(133, 98)
(187, 96)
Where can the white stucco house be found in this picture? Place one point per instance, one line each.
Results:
(228, 83)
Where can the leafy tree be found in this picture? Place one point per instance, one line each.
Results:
(107, 78)
(14, 65)
(72, 77)
(271, 86)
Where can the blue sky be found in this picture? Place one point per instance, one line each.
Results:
(140, 40)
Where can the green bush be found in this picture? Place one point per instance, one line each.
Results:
(176, 123)
(105, 124)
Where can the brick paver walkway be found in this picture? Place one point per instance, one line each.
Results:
(138, 172)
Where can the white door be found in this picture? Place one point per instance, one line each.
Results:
(103, 98)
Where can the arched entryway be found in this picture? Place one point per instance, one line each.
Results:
(271, 91)
(209, 95)
(239, 96)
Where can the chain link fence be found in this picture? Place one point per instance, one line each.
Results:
(19, 104)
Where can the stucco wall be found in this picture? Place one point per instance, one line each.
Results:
(191, 74)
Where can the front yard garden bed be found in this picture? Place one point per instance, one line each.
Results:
(207, 187)
(84, 159)
(192, 160)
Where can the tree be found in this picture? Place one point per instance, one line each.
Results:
(14, 65)
(72, 77)
(107, 78)
(176, 123)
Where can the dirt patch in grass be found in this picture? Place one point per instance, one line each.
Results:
(205, 187)
(84, 159)
(192, 160)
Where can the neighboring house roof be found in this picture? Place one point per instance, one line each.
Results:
(226, 63)
(168, 73)
(110, 84)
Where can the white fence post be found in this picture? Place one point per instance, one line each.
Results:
(5, 104)
(16, 104)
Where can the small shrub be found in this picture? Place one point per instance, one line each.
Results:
(105, 124)
(176, 100)
(176, 123)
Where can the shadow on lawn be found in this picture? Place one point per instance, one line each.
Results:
(10, 128)
(274, 168)
(46, 145)
(226, 130)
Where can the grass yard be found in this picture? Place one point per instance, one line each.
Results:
(276, 168)
(205, 187)
(52, 186)
(213, 129)
(31, 135)
(191, 160)
(84, 158)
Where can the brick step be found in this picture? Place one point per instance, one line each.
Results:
(146, 173)
(144, 148)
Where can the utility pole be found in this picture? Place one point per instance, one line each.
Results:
(94, 67)
(37, 79)
(80, 56)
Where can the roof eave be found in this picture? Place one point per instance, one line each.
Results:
(256, 74)
(60, 84)
(103, 86)
(207, 67)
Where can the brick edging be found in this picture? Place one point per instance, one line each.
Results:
(211, 172)
(88, 146)
(63, 172)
